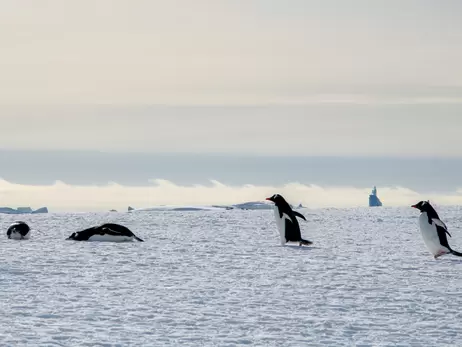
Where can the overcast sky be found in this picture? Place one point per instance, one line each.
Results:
(327, 129)
(228, 51)
(266, 77)
(335, 77)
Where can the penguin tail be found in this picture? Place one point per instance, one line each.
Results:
(137, 238)
(456, 253)
(307, 243)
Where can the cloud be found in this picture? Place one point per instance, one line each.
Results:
(61, 197)
(218, 52)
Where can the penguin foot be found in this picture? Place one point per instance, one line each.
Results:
(439, 254)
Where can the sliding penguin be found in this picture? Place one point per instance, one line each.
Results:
(433, 230)
(106, 232)
(286, 221)
(18, 231)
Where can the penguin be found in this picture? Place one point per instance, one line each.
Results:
(106, 232)
(286, 221)
(433, 230)
(18, 231)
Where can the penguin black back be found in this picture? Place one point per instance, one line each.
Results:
(18, 228)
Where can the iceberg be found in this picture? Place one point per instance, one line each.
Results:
(254, 205)
(176, 208)
(251, 205)
(22, 210)
(374, 200)
(40, 210)
(261, 205)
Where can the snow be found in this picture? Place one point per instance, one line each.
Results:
(223, 279)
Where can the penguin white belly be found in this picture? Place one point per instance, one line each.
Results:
(281, 224)
(110, 238)
(17, 236)
(430, 235)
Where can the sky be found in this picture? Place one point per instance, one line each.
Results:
(312, 130)
(228, 52)
(259, 78)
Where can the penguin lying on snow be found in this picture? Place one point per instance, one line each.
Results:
(106, 232)
(18, 231)
(433, 230)
(286, 221)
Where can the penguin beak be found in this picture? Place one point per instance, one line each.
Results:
(415, 206)
(268, 199)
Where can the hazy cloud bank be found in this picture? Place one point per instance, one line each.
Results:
(61, 197)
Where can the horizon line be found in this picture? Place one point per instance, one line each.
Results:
(240, 154)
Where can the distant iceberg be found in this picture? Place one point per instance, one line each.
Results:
(176, 208)
(252, 205)
(260, 205)
(22, 210)
(374, 200)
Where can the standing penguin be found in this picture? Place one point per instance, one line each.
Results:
(286, 221)
(433, 230)
(18, 231)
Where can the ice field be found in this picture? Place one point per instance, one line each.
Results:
(221, 278)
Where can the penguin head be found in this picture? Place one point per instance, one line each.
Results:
(277, 199)
(72, 237)
(423, 206)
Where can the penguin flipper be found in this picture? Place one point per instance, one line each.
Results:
(113, 231)
(440, 223)
(442, 236)
(299, 215)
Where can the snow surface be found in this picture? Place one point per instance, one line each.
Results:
(223, 279)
